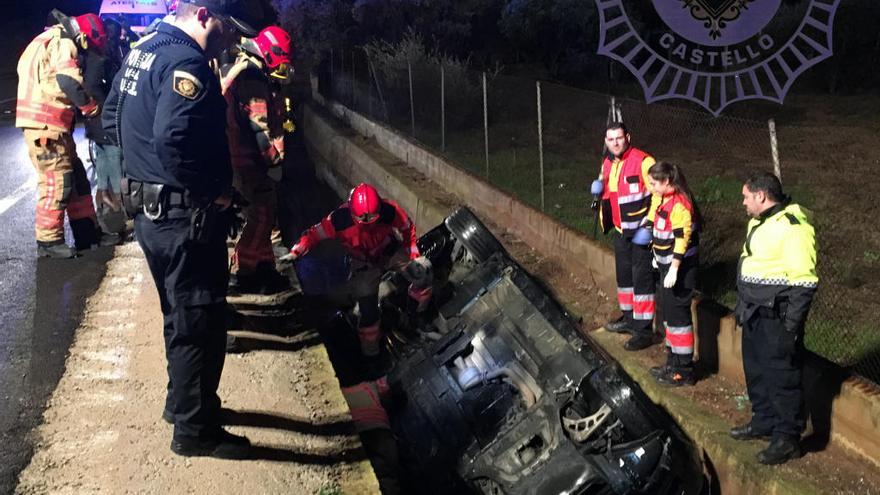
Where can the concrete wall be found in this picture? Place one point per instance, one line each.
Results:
(844, 409)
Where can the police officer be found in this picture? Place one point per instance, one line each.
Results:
(776, 283)
(167, 111)
(626, 199)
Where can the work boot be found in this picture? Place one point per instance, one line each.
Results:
(620, 325)
(658, 371)
(639, 342)
(233, 345)
(748, 432)
(217, 443)
(110, 239)
(780, 451)
(263, 280)
(676, 377)
(54, 250)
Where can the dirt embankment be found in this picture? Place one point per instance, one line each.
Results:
(102, 431)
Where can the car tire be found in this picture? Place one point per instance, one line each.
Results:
(471, 232)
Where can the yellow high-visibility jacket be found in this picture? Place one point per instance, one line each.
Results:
(777, 267)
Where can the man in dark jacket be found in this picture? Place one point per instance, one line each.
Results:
(100, 68)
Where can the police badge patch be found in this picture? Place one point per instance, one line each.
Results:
(716, 52)
(187, 85)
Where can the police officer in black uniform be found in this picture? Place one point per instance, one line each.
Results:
(167, 112)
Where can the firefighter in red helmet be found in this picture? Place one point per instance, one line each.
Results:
(376, 233)
(256, 142)
(50, 90)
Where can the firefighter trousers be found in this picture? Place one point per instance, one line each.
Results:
(254, 246)
(62, 186)
(635, 284)
(773, 364)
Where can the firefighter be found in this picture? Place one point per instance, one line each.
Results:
(625, 200)
(775, 287)
(674, 219)
(372, 230)
(50, 90)
(365, 401)
(256, 143)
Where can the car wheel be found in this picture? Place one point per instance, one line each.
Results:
(471, 232)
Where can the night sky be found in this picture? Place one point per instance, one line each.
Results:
(24, 19)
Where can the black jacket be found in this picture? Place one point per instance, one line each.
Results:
(172, 121)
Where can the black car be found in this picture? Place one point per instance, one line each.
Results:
(497, 391)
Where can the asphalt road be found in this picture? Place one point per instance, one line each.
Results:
(41, 303)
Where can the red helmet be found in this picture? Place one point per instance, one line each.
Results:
(92, 28)
(364, 203)
(274, 45)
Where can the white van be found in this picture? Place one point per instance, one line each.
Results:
(138, 14)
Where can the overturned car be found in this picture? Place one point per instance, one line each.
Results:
(497, 392)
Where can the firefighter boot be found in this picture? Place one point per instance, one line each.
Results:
(54, 250)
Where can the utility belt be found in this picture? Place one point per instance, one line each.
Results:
(155, 201)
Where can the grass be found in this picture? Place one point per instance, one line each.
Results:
(713, 152)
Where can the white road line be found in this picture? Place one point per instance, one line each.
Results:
(16, 196)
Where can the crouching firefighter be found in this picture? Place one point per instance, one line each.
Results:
(256, 146)
(372, 231)
(50, 90)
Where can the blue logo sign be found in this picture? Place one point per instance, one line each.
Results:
(716, 52)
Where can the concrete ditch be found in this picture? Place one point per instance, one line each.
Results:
(349, 148)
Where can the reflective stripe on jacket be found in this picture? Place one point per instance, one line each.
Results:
(626, 197)
(366, 242)
(777, 268)
(256, 137)
(674, 236)
(41, 102)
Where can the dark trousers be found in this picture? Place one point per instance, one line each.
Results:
(635, 284)
(675, 310)
(773, 365)
(191, 280)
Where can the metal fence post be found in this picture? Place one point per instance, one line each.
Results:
(442, 108)
(352, 79)
(486, 124)
(412, 109)
(369, 85)
(774, 149)
(540, 141)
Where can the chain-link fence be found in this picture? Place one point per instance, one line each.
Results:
(542, 143)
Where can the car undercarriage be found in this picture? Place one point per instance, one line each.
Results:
(496, 391)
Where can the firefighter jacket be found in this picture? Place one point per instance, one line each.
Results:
(374, 242)
(256, 136)
(50, 83)
(777, 268)
(171, 116)
(625, 197)
(671, 218)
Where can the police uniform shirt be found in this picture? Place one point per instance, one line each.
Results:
(172, 117)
